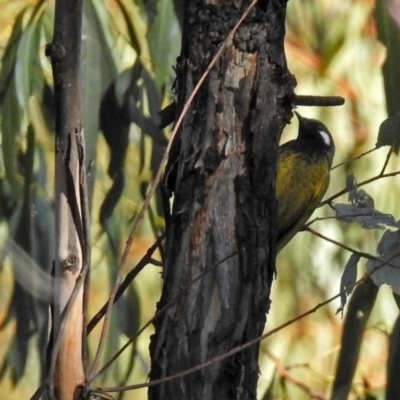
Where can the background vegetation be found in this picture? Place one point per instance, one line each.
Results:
(129, 49)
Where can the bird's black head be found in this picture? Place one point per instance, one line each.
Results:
(316, 136)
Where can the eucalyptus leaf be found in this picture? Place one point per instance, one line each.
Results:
(27, 60)
(386, 269)
(389, 132)
(164, 38)
(348, 279)
(368, 217)
(393, 364)
(98, 72)
(388, 240)
(388, 34)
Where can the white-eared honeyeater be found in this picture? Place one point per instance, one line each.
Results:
(302, 176)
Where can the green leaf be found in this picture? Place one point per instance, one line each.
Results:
(9, 58)
(98, 71)
(27, 60)
(164, 37)
(11, 116)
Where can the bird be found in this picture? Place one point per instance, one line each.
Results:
(303, 173)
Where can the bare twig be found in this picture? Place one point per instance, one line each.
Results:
(354, 158)
(319, 101)
(146, 259)
(284, 373)
(224, 356)
(345, 190)
(253, 342)
(386, 161)
(350, 249)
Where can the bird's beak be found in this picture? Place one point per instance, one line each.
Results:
(299, 117)
(302, 121)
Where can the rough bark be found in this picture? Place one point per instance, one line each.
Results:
(220, 252)
(65, 57)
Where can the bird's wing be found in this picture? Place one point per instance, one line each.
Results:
(300, 217)
(298, 193)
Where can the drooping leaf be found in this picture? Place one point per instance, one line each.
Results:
(359, 310)
(386, 269)
(393, 364)
(115, 127)
(11, 114)
(164, 38)
(348, 279)
(98, 71)
(388, 34)
(389, 133)
(27, 59)
(388, 240)
(22, 300)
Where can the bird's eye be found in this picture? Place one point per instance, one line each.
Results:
(325, 137)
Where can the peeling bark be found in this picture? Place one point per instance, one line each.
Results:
(223, 222)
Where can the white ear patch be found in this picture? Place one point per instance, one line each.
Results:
(325, 137)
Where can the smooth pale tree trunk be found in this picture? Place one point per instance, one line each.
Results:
(220, 250)
(70, 178)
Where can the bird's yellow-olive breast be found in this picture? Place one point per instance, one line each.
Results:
(302, 176)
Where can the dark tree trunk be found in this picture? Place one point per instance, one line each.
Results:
(220, 253)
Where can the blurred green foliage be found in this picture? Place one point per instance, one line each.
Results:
(129, 49)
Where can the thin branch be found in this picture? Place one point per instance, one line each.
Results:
(354, 158)
(222, 357)
(86, 239)
(319, 101)
(146, 259)
(253, 342)
(155, 262)
(351, 250)
(386, 161)
(284, 373)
